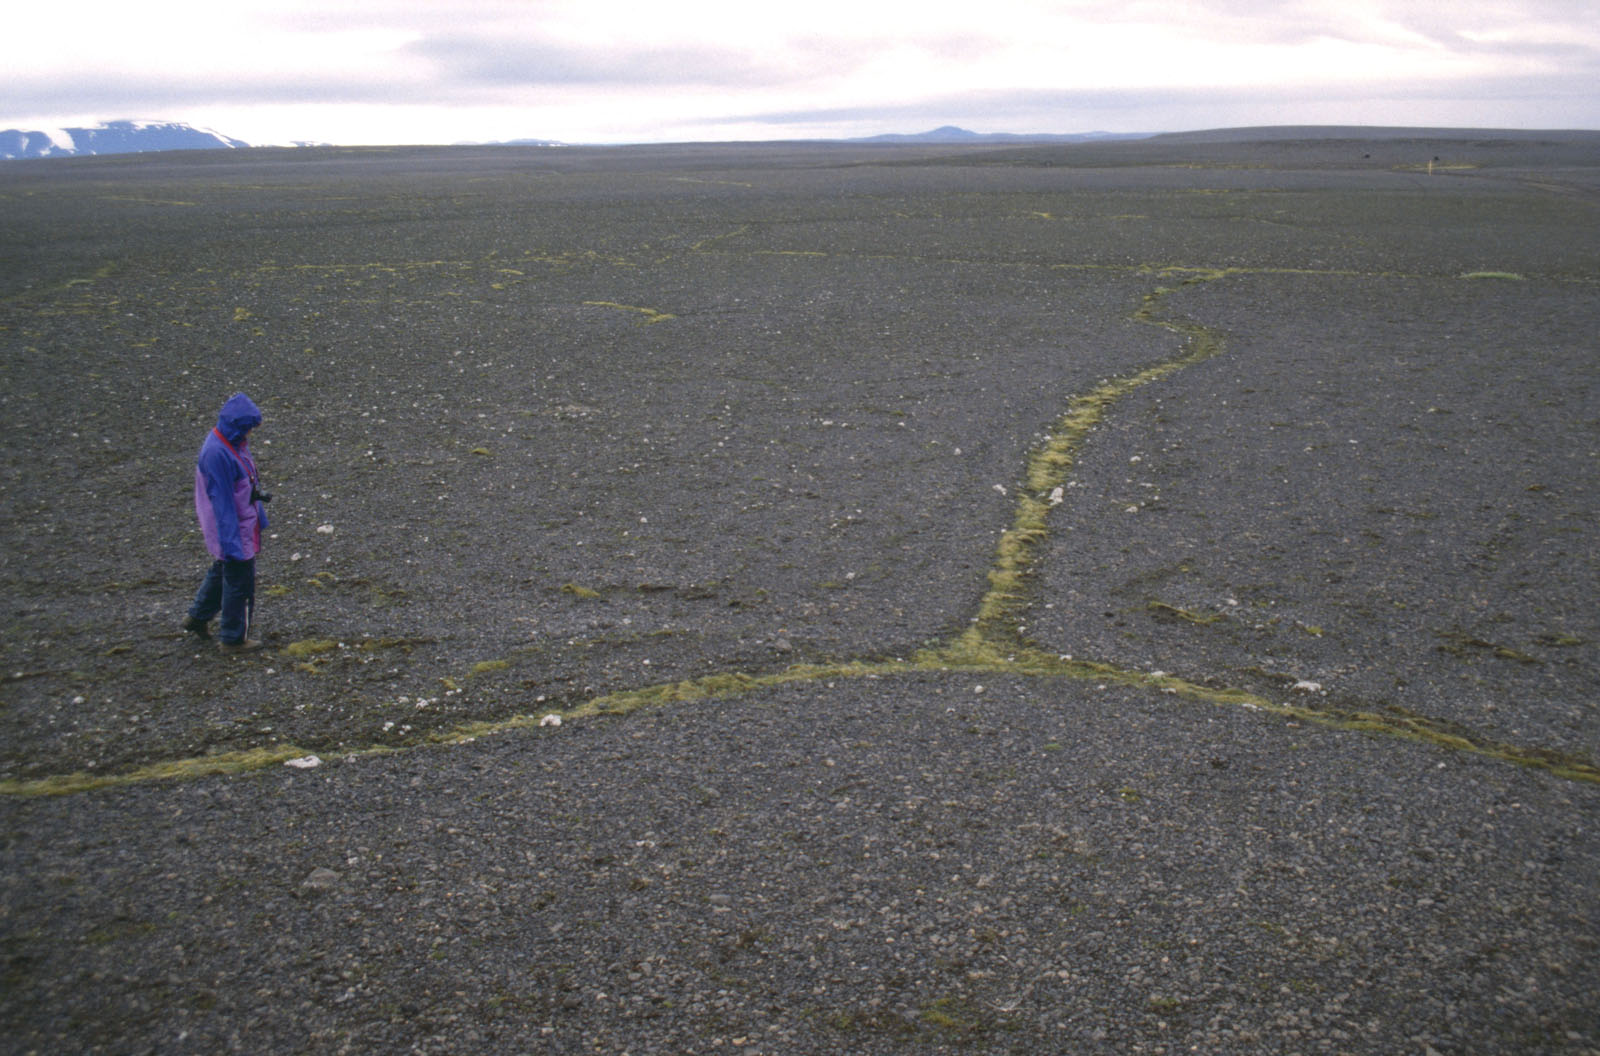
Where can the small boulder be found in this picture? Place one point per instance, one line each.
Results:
(320, 879)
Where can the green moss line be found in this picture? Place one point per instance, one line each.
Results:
(1051, 465)
(168, 770)
(992, 645)
(650, 314)
(962, 656)
(42, 293)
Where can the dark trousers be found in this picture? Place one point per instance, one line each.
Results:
(229, 588)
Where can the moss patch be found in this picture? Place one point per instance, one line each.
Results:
(309, 647)
(650, 314)
(172, 770)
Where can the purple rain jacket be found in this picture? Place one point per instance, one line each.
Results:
(224, 477)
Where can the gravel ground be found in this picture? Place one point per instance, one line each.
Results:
(1408, 485)
(746, 430)
(875, 865)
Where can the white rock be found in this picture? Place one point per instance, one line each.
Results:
(305, 762)
(320, 879)
(324, 529)
(550, 720)
(1308, 687)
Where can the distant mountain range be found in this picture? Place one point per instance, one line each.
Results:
(133, 137)
(114, 137)
(952, 134)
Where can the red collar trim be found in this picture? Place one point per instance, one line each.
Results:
(249, 467)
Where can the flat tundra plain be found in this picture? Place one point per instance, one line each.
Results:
(1107, 598)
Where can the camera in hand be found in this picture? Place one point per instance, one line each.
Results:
(257, 495)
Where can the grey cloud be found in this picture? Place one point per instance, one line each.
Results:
(485, 50)
(468, 59)
(1447, 24)
(453, 70)
(422, 16)
(980, 111)
(141, 94)
(1568, 100)
(1287, 22)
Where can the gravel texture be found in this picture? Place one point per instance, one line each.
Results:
(1279, 735)
(1398, 504)
(877, 865)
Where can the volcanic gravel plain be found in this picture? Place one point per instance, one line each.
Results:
(1112, 598)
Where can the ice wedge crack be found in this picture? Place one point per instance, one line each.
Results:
(1051, 465)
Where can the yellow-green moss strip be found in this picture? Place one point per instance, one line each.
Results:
(709, 687)
(309, 647)
(990, 646)
(1033, 663)
(1410, 726)
(1429, 731)
(650, 314)
(170, 770)
(968, 654)
(105, 271)
(1051, 465)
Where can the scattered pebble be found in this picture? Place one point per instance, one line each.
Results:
(320, 879)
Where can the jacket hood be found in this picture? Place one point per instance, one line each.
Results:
(238, 416)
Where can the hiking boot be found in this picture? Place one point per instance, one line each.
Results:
(202, 628)
(246, 645)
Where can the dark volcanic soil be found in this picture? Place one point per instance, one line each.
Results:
(547, 426)
(467, 372)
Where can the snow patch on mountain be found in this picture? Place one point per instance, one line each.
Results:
(113, 137)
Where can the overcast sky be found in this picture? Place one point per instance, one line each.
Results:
(616, 71)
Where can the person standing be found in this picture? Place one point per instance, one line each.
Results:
(230, 505)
